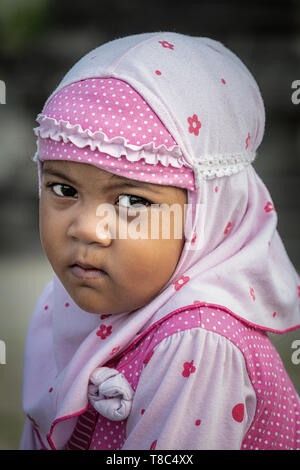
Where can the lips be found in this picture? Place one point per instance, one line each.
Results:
(85, 266)
(86, 271)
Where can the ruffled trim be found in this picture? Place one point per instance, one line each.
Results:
(116, 147)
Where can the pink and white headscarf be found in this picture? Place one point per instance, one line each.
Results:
(168, 109)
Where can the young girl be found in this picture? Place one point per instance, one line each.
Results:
(148, 341)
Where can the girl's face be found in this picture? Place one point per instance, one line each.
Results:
(135, 269)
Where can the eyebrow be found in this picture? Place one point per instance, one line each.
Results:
(107, 187)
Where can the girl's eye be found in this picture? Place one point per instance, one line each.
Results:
(129, 200)
(62, 190)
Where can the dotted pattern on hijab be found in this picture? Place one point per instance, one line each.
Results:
(141, 171)
(111, 106)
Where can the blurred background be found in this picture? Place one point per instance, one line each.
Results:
(39, 41)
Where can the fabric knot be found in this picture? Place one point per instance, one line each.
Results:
(110, 393)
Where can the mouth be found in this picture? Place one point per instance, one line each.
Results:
(86, 271)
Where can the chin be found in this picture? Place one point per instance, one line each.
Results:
(90, 307)
(94, 307)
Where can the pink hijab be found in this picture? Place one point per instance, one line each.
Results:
(210, 122)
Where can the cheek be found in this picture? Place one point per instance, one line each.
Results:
(43, 221)
(149, 262)
(50, 229)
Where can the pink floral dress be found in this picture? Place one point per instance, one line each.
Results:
(202, 380)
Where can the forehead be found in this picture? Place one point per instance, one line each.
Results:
(83, 174)
(79, 170)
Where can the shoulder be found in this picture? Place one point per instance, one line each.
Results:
(207, 318)
(195, 333)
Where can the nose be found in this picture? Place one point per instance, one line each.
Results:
(88, 226)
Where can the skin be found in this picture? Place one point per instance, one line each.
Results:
(136, 269)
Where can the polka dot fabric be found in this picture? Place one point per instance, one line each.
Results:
(276, 423)
(111, 106)
(115, 109)
(140, 170)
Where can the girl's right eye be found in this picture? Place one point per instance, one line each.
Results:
(130, 200)
(63, 191)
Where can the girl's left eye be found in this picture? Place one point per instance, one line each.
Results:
(129, 200)
(63, 190)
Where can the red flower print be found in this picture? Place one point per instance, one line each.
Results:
(298, 291)
(167, 44)
(46, 307)
(180, 282)
(195, 124)
(228, 228)
(223, 81)
(188, 368)
(114, 350)
(252, 293)
(247, 140)
(194, 238)
(198, 422)
(269, 207)
(104, 331)
(158, 72)
(216, 189)
(50, 389)
(153, 445)
(67, 304)
(102, 317)
(238, 412)
(274, 314)
(143, 411)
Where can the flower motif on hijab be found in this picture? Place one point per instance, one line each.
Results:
(269, 207)
(195, 124)
(194, 238)
(167, 44)
(180, 282)
(115, 350)
(252, 293)
(228, 228)
(247, 140)
(104, 331)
